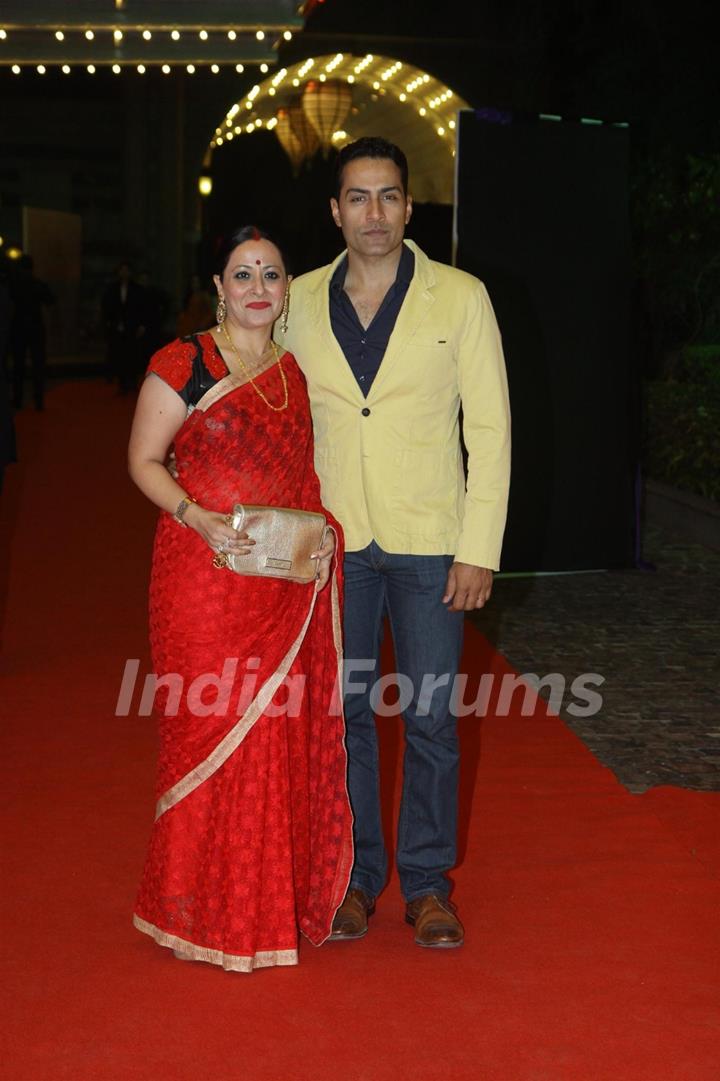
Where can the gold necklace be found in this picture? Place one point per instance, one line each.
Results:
(243, 365)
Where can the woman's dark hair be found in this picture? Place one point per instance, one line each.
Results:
(230, 241)
(370, 146)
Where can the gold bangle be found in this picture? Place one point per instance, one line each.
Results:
(181, 510)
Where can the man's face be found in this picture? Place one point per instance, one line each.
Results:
(372, 209)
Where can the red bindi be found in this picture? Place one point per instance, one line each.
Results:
(257, 262)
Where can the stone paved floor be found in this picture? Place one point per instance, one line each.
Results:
(653, 635)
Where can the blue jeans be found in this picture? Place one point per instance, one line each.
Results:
(428, 641)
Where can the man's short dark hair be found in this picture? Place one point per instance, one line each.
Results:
(370, 146)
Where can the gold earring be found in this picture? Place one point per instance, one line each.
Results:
(285, 310)
(221, 311)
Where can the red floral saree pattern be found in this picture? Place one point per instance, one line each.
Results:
(260, 844)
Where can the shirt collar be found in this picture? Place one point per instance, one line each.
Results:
(405, 270)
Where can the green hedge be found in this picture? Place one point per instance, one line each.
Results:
(682, 429)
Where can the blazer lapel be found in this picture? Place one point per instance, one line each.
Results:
(419, 299)
(317, 314)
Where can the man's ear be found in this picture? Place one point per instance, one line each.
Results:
(335, 211)
(408, 209)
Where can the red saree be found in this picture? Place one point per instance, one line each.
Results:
(252, 837)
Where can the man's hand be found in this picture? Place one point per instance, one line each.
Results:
(468, 587)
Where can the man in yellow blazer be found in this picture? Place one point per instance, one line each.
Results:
(392, 344)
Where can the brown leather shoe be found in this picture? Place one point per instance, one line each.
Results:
(351, 919)
(435, 922)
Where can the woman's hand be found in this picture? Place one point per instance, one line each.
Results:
(324, 557)
(216, 530)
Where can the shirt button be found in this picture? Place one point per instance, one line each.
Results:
(366, 412)
(362, 341)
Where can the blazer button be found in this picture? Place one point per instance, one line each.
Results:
(366, 412)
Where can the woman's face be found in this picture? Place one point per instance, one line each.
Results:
(253, 284)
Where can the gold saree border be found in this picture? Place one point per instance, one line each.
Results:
(232, 382)
(345, 866)
(232, 740)
(231, 962)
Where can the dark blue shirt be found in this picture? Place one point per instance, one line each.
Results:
(365, 349)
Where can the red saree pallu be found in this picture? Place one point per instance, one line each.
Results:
(252, 840)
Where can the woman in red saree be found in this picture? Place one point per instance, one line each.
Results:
(252, 835)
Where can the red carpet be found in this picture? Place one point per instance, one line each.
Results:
(591, 948)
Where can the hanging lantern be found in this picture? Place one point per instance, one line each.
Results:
(326, 106)
(289, 140)
(302, 129)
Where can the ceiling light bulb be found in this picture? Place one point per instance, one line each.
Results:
(263, 68)
(232, 35)
(59, 35)
(141, 69)
(175, 35)
(190, 69)
(166, 69)
(203, 35)
(40, 69)
(66, 69)
(16, 69)
(90, 69)
(147, 35)
(287, 35)
(239, 68)
(89, 35)
(116, 69)
(118, 35)
(260, 35)
(214, 69)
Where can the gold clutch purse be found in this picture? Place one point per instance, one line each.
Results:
(284, 538)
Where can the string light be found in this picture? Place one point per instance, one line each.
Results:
(260, 35)
(232, 35)
(116, 69)
(272, 91)
(147, 35)
(351, 78)
(203, 35)
(89, 35)
(239, 68)
(190, 69)
(264, 68)
(66, 69)
(175, 35)
(214, 69)
(40, 69)
(90, 69)
(59, 35)
(287, 35)
(16, 69)
(3, 35)
(118, 35)
(141, 69)
(165, 69)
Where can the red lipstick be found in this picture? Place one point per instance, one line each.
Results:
(259, 304)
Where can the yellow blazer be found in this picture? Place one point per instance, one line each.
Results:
(395, 474)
